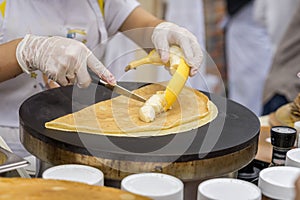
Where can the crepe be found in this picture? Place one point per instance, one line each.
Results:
(46, 189)
(295, 109)
(120, 116)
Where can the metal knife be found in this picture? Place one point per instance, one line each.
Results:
(123, 91)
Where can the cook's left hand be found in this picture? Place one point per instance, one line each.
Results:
(166, 34)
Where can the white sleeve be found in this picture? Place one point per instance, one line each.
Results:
(116, 12)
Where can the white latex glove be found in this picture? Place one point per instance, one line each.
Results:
(166, 34)
(61, 59)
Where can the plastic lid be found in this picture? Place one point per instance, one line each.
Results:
(297, 126)
(283, 136)
(154, 185)
(77, 173)
(278, 182)
(228, 189)
(293, 158)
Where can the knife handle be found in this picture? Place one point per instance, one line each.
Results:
(105, 84)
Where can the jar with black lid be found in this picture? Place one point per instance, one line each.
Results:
(283, 139)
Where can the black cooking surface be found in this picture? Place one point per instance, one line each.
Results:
(234, 129)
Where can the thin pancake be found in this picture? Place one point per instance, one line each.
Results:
(120, 116)
(47, 189)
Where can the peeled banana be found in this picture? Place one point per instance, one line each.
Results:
(178, 68)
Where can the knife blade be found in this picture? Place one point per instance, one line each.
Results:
(123, 91)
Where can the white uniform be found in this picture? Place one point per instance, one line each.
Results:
(249, 58)
(81, 20)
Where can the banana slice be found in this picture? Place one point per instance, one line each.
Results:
(152, 107)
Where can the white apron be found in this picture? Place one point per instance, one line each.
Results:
(249, 58)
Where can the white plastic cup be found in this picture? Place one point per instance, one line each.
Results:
(293, 158)
(154, 185)
(77, 173)
(228, 189)
(278, 182)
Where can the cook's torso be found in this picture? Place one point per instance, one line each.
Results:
(76, 19)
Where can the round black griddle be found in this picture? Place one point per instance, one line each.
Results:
(222, 146)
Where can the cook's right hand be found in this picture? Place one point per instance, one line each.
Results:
(61, 59)
(167, 34)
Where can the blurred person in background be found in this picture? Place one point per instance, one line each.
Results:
(90, 22)
(283, 84)
(248, 55)
(275, 17)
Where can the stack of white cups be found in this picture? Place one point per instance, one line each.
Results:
(77, 173)
(278, 182)
(156, 186)
(228, 189)
(293, 158)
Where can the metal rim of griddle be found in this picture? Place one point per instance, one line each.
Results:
(241, 129)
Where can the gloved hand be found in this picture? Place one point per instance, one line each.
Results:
(62, 60)
(166, 34)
